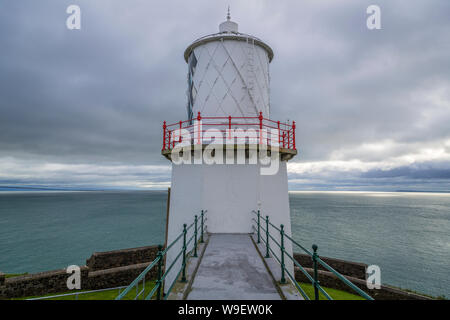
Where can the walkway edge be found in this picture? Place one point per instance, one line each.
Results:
(194, 273)
(275, 282)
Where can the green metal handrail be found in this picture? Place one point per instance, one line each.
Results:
(159, 261)
(314, 256)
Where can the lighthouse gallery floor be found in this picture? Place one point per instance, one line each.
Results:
(231, 269)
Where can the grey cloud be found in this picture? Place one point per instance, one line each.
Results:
(408, 172)
(98, 96)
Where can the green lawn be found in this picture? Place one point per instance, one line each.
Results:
(103, 295)
(334, 293)
(12, 275)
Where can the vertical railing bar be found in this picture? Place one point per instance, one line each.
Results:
(259, 228)
(195, 237)
(293, 135)
(279, 137)
(283, 279)
(170, 139)
(199, 118)
(164, 135)
(183, 278)
(260, 127)
(316, 280)
(201, 236)
(267, 236)
(158, 283)
(289, 139)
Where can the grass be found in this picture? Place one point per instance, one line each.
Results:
(103, 295)
(12, 275)
(112, 294)
(334, 293)
(149, 285)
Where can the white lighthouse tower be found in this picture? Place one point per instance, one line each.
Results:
(228, 94)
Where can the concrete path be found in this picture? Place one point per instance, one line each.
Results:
(231, 269)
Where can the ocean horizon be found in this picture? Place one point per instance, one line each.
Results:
(405, 233)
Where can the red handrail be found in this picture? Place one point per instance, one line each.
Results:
(285, 131)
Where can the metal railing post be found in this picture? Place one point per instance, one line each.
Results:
(279, 137)
(195, 237)
(201, 235)
(259, 232)
(183, 278)
(158, 282)
(164, 135)
(199, 119)
(293, 135)
(283, 279)
(316, 280)
(267, 236)
(170, 139)
(289, 140)
(260, 127)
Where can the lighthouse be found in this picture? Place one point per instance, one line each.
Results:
(228, 156)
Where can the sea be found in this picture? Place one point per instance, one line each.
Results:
(406, 234)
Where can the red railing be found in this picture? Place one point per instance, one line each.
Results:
(270, 132)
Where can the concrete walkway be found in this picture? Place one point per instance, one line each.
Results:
(231, 269)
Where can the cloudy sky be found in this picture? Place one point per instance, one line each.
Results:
(84, 108)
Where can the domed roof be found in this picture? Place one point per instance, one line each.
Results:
(228, 30)
(228, 26)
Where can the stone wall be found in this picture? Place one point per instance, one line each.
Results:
(38, 283)
(118, 277)
(121, 258)
(348, 268)
(103, 270)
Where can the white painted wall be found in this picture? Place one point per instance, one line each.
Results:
(275, 204)
(229, 193)
(185, 202)
(231, 79)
